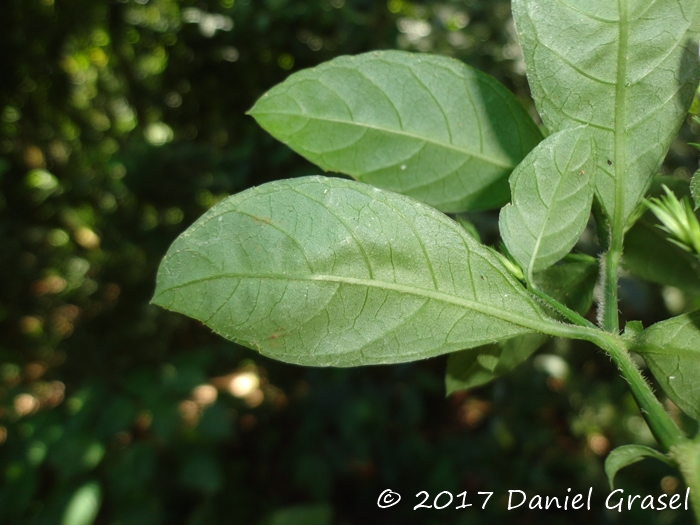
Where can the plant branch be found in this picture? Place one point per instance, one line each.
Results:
(662, 426)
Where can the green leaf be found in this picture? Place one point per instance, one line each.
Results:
(324, 271)
(671, 348)
(552, 196)
(426, 126)
(626, 455)
(627, 68)
(649, 254)
(570, 283)
(695, 190)
(478, 366)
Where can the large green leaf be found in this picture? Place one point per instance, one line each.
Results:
(627, 68)
(628, 455)
(672, 350)
(552, 196)
(426, 126)
(324, 271)
(570, 283)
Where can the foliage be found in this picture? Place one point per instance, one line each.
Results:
(120, 124)
(326, 271)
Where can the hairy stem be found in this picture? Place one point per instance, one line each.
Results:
(660, 423)
(610, 320)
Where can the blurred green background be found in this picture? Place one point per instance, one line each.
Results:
(120, 123)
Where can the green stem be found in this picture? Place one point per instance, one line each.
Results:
(660, 423)
(611, 321)
(561, 309)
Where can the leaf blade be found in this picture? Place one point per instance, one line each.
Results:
(671, 348)
(333, 272)
(539, 227)
(638, 106)
(425, 126)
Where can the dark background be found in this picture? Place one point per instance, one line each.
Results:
(120, 123)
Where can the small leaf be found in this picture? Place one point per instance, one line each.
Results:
(695, 190)
(552, 196)
(570, 283)
(626, 455)
(478, 366)
(425, 126)
(629, 69)
(324, 271)
(671, 348)
(649, 255)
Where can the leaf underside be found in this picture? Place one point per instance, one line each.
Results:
(426, 126)
(325, 271)
(627, 68)
(671, 348)
(552, 196)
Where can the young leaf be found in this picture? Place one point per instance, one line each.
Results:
(323, 271)
(478, 366)
(552, 196)
(678, 220)
(570, 283)
(626, 455)
(671, 348)
(627, 68)
(426, 126)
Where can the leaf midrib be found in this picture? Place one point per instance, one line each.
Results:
(545, 222)
(543, 325)
(446, 145)
(620, 167)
